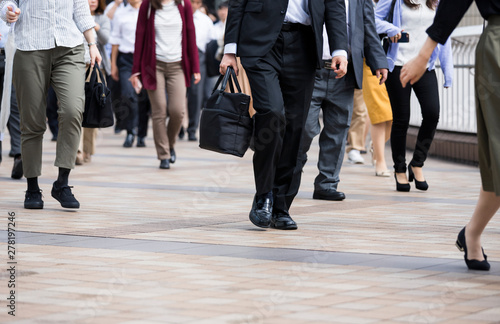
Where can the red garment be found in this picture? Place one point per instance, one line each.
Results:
(145, 45)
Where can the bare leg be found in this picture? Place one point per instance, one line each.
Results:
(379, 138)
(487, 205)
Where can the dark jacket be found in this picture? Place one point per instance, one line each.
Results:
(254, 25)
(145, 45)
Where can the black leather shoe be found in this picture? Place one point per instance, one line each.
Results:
(181, 133)
(64, 196)
(420, 185)
(33, 200)
(283, 221)
(328, 195)
(17, 169)
(129, 140)
(192, 137)
(262, 210)
(141, 142)
(173, 157)
(471, 264)
(165, 164)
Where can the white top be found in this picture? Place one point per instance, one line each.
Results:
(168, 30)
(204, 28)
(43, 25)
(298, 12)
(327, 54)
(219, 29)
(123, 31)
(415, 22)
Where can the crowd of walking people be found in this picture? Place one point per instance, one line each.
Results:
(302, 60)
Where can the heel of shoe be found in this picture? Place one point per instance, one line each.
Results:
(459, 246)
(411, 175)
(405, 187)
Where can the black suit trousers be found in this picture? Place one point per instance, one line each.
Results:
(282, 83)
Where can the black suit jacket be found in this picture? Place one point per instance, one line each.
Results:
(365, 42)
(254, 25)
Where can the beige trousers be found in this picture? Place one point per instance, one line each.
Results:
(356, 135)
(169, 77)
(33, 72)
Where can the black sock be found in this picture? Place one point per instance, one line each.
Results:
(62, 179)
(33, 184)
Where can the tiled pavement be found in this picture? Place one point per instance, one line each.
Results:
(176, 246)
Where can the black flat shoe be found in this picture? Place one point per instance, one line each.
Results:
(141, 142)
(420, 185)
(17, 169)
(173, 157)
(283, 221)
(471, 264)
(262, 210)
(64, 196)
(165, 164)
(401, 186)
(129, 140)
(33, 200)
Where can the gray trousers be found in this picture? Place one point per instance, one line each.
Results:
(335, 98)
(33, 72)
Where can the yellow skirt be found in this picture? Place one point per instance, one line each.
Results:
(376, 98)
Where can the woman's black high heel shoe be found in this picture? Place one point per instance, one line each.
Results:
(471, 264)
(420, 185)
(401, 186)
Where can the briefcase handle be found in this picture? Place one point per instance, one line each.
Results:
(230, 77)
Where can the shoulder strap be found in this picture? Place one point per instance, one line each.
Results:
(390, 16)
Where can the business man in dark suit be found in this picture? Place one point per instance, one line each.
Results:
(335, 98)
(280, 45)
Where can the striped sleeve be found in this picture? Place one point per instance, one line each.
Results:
(82, 16)
(3, 7)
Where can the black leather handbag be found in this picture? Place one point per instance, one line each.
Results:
(226, 126)
(98, 110)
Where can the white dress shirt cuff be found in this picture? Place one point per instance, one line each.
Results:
(339, 53)
(230, 48)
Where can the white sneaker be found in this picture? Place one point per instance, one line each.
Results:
(354, 156)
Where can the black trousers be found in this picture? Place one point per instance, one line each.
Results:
(136, 107)
(426, 90)
(282, 83)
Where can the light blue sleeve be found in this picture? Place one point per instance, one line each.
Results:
(446, 60)
(383, 26)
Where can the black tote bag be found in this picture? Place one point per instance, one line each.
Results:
(98, 110)
(226, 126)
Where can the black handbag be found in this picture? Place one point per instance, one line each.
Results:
(384, 37)
(98, 110)
(226, 126)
